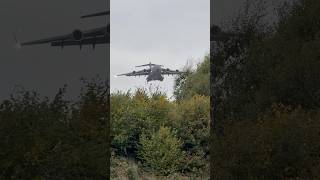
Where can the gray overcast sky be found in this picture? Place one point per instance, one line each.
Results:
(45, 68)
(167, 32)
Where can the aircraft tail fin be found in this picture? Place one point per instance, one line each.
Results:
(17, 43)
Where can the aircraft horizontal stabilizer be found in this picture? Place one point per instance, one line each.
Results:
(150, 64)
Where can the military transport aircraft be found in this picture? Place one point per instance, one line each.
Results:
(77, 37)
(154, 72)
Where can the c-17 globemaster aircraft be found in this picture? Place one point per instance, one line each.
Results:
(77, 37)
(154, 72)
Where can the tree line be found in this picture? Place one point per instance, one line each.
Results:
(165, 136)
(267, 95)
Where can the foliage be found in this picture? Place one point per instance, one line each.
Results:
(138, 116)
(124, 168)
(195, 82)
(261, 67)
(134, 115)
(162, 151)
(282, 145)
(192, 126)
(54, 139)
(266, 94)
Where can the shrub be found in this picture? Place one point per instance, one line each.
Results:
(282, 145)
(161, 152)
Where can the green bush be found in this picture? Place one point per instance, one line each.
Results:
(192, 126)
(55, 139)
(282, 145)
(135, 114)
(161, 152)
(194, 82)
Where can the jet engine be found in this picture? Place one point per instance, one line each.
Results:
(77, 35)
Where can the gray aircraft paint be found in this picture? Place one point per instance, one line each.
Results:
(154, 73)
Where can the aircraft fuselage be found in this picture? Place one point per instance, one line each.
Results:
(155, 74)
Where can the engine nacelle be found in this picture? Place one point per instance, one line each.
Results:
(77, 35)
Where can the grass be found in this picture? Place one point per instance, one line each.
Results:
(128, 169)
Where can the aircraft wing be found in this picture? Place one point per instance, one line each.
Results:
(77, 37)
(46, 40)
(104, 13)
(170, 72)
(91, 37)
(144, 72)
(88, 41)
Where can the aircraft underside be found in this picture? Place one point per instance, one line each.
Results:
(155, 78)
